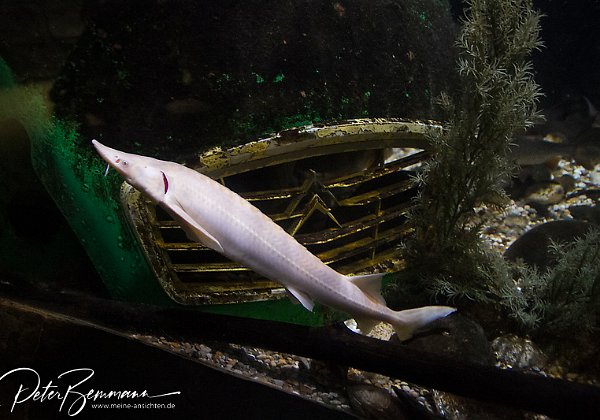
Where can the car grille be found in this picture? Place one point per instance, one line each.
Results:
(341, 190)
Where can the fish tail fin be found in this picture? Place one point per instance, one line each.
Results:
(409, 320)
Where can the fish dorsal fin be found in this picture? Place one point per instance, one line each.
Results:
(370, 285)
(192, 229)
(303, 298)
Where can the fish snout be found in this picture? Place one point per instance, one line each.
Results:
(115, 158)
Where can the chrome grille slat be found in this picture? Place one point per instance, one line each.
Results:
(209, 267)
(348, 250)
(371, 196)
(358, 225)
(357, 247)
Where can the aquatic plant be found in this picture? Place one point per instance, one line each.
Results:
(470, 159)
(564, 300)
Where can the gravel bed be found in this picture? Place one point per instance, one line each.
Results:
(502, 229)
(301, 376)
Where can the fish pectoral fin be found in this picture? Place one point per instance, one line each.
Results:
(200, 235)
(193, 230)
(303, 298)
(370, 285)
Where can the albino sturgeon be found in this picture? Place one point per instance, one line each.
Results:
(220, 219)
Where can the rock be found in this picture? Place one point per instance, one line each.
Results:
(535, 173)
(371, 402)
(586, 213)
(304, 363)
(518, 352)
(535, 150)
(544, 193)
(568, 118)
(532, 247)
(516, 221)
(510, 351)
(587, 153)
(595, 178)
(453, 407)
(417, 408)
(568, 182)
(306, 389)
(454, 336)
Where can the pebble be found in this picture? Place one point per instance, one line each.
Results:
(306, 389)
